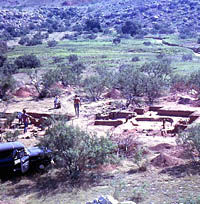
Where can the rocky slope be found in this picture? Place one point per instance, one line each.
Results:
(146, 17)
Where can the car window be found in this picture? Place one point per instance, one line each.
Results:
(6, 154)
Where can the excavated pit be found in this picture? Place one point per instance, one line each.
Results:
(151, 118)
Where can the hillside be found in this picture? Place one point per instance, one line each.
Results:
(40, 3)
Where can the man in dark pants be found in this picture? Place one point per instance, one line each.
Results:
(25, 119)
(77, 104)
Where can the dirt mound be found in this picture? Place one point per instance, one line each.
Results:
(25, 92)
(114, 94)
(161, 147)
(174, 151)
(165, 160)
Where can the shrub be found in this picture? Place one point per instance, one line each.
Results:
(9, 68)
(75, 150)
(50, 77)
(94, 87)
(92, 24)
(191, 138)
(147, 43)
(9, 119)
(68, 77)
(3, 58)
(130, 82)
(135, 59)
(24, 40)
(187, 57)
(34, 41)
(194, 80)
(152, 87)
(52, 43)
(6, 83)
(131, 28)
(12, 136)
(27, 61)
(72, 58)
(160, 69)
(116, 41)
(3, 47)
(77, 69)
(57, 59)
(179, 83)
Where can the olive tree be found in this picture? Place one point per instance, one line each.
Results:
(156, 77)
(130, 82)
(95, 84)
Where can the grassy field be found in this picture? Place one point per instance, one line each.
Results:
(102, 52)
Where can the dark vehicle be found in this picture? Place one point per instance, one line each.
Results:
(14, 156)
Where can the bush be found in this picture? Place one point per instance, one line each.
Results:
(72, 58)
(27, 61)
(152, 88)
(3, 47)
(77, 69)
(52, 43)
(130, 82)
(94, 87)
(160, 69)
(24, 40)
(12, 136)
(131, 28)
(135, 59)
(3, 58)
(194, 80)
(75, 150)
(57, 59)
(9, 68)
(6, 83)
(191, 138)
(34, 41)
(147, 43)
(116, 41)
(187, 57)
(92, 24)
(179, 83)
(50, 77)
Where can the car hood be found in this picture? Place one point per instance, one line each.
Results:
(36, 151)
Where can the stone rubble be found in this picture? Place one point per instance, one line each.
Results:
(109, 200)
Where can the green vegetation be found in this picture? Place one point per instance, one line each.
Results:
(191, 138)
(76, 150)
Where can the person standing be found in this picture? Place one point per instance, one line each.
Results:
(77, 103)
(25, 119)
(19, 116)
(57, 103)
